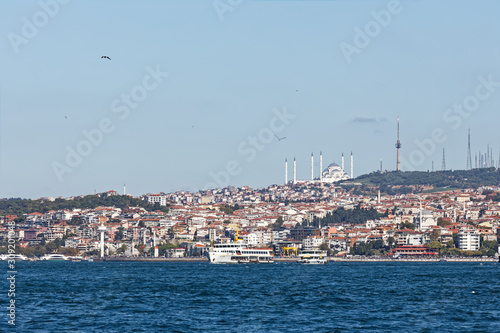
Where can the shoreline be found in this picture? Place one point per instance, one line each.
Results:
(330, 259)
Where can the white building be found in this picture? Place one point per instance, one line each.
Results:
(468, 239)
(334, 173)
(425, 220)
(156, 198)
(312, 242)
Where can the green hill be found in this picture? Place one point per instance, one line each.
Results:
(438, 179)
(18, 206)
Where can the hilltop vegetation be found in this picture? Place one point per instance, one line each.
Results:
(354, 216)
(390, 181)
(18, 206)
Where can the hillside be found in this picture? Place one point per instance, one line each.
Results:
(17, 206)
(437, 179)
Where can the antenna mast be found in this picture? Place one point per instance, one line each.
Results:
(398, 145)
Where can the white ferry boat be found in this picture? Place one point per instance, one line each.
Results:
(239, 253)
(312, 257)
(13, 257)
(54, 257)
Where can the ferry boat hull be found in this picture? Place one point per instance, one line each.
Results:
(313, 257)
(234, 253)
(54, 257)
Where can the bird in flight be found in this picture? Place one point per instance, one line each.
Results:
(105, 57)
(277, 137)
(66, 117)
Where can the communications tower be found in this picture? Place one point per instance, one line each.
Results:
(398, 145)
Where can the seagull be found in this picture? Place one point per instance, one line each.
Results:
(277, 137)
(105, 57)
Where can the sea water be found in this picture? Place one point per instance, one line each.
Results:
(280, 297)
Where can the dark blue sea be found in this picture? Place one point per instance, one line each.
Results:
(281, 297)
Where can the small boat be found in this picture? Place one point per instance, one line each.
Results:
(13, 257)
(312, 257)
(54, 257)
(75, 259)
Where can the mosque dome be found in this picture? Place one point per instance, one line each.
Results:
(334, 173)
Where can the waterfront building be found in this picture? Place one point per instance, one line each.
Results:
(300, 233)
(413, 250)
(468, 239)
(312, 242)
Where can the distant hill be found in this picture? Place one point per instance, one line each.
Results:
(438, 179)
(18, 206)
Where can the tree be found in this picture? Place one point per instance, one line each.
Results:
(407, 225)
(76, 220)
(489, 248)
(435, 245)
(119, 233)
(455, 240)
(278, 224)
(92, 253)
(435, 235)
(122, 249)
(68, 251)
(442, 222)
(391, 241)
(324, 247)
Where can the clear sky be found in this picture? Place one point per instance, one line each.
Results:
(196, 91)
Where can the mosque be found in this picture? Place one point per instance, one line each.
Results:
(333, 173)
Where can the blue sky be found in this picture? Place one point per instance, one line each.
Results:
(195, 90)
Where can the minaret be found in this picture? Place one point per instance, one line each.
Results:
(352, 173)
(154, 245)
(294, 171)
(320, 166)
(312, 166)
(102, 230)
(381, 166)
(444, 161)
(342, 162)
(286, 171)
(398, 145)
(124, 189)
(420, 224)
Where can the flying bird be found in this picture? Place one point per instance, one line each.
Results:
(105, 57)
(277, 137)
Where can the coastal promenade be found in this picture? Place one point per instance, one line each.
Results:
(413, 259)
(144, 259)
(294, 259)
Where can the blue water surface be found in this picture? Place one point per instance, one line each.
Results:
(281, 297)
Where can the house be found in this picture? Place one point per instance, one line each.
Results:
(413, 250)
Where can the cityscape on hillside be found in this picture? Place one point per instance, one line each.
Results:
(344, 219)
(380, 215)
